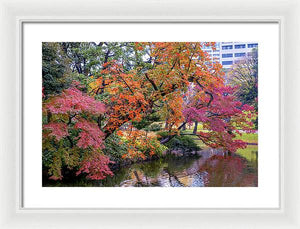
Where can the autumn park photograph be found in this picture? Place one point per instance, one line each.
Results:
(150, 114)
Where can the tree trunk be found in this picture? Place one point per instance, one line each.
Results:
(168, 138)
(167, 124)
(195, 127)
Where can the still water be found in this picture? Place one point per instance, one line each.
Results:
(208, 169)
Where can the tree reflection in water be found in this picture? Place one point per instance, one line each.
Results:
(229, 171)
(212, 169)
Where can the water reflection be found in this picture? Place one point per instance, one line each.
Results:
(211, 169)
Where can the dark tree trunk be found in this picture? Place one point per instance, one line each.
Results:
(168, 138)
(166, 125)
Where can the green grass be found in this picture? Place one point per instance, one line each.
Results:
(251, 138)
(250, 154)
(247, 137)
(199, 143)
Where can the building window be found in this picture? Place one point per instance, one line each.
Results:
(240, 46)
(227, 55)
(226, 62)
(240, 54)
(227, 47)
(252, 45)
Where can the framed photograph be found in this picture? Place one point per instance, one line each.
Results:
(164, 115)
(177, 120)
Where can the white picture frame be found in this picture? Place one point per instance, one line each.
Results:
(265, 196)
(12, 216)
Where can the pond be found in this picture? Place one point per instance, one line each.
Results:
(209, 168)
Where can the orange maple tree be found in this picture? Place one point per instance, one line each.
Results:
(138, 92)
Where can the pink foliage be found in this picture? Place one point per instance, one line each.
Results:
(74, 110)
(96, 166)
(247, 107)
(55, 177)
(218, 125)
(193, 114)
(74, 101)
(90, 135)
(58, 130)
(217, 112)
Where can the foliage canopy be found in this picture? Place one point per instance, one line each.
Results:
(119, 89)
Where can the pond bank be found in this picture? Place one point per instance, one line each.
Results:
(207, 167)
(205, 153)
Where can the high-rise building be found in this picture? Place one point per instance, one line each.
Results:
(233, 52)
(229, 53)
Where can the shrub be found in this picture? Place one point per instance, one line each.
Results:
(162, 134)
(185, 143)
(158, 148)
(145, 122)
(153, 127)
(115, 148)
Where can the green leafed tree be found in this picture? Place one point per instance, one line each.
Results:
(54, 68)
(244, 74)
